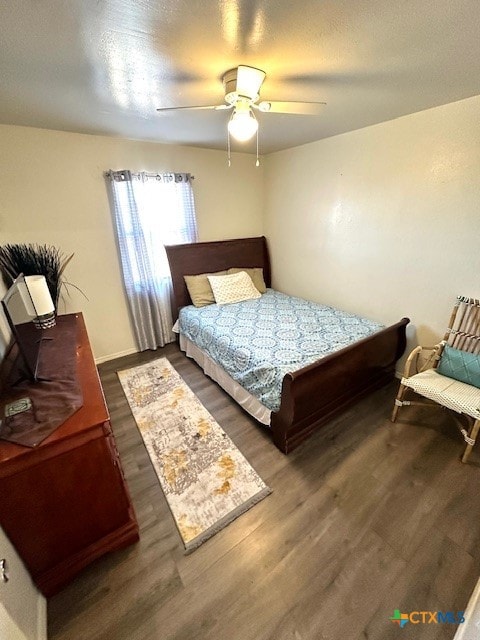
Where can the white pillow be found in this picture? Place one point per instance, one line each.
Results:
(233, 288)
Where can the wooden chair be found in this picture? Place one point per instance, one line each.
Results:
(446, 387)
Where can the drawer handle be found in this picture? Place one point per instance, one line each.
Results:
(4, 577)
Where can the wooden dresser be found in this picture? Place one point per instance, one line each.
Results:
(65, 503)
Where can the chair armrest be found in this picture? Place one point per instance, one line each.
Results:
(411, 364)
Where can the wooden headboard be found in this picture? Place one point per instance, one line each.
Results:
(208, 257)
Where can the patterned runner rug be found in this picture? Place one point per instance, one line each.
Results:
(206, 480)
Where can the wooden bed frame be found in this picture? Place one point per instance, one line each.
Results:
(313, 395)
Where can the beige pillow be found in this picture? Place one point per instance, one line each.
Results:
(199, 288)
(235, 287)
(255, 273)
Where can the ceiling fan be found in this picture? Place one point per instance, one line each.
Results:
(242, 94)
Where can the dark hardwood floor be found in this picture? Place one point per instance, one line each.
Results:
(366, 517)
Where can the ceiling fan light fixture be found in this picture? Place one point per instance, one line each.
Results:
(242, 125)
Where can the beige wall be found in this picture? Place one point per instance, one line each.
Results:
(23, 609)
(383, 221)
(53, 191)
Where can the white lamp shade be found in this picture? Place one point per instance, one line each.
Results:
(26, 299)
(242, 125)
(40, 295)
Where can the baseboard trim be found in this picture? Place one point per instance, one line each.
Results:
(112, 356)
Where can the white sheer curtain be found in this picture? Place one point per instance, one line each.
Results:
(150, 211)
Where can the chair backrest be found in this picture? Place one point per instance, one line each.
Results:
(464, 327)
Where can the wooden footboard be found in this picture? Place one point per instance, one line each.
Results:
(313, 395)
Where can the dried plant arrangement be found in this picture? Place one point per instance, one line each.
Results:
(35, 259)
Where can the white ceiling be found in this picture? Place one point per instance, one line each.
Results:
(104, 66)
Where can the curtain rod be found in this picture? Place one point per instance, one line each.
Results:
(154, 175)
(148, 173)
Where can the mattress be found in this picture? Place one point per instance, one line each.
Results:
(242, 397)
(258, 341)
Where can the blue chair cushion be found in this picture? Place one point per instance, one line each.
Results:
(460, 365)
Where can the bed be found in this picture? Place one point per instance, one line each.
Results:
(311, 395)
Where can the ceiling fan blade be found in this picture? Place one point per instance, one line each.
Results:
(197, 107)
(300, 108)
(249, 81)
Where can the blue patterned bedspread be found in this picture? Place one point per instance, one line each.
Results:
(258, 341)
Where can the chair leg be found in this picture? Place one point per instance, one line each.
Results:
(400, 395)
(473, 436)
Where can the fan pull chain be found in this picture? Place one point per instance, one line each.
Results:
(257, 163)
(228, 149)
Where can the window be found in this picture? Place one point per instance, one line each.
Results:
(150, 210)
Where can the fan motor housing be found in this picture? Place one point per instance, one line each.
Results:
(230, 85)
